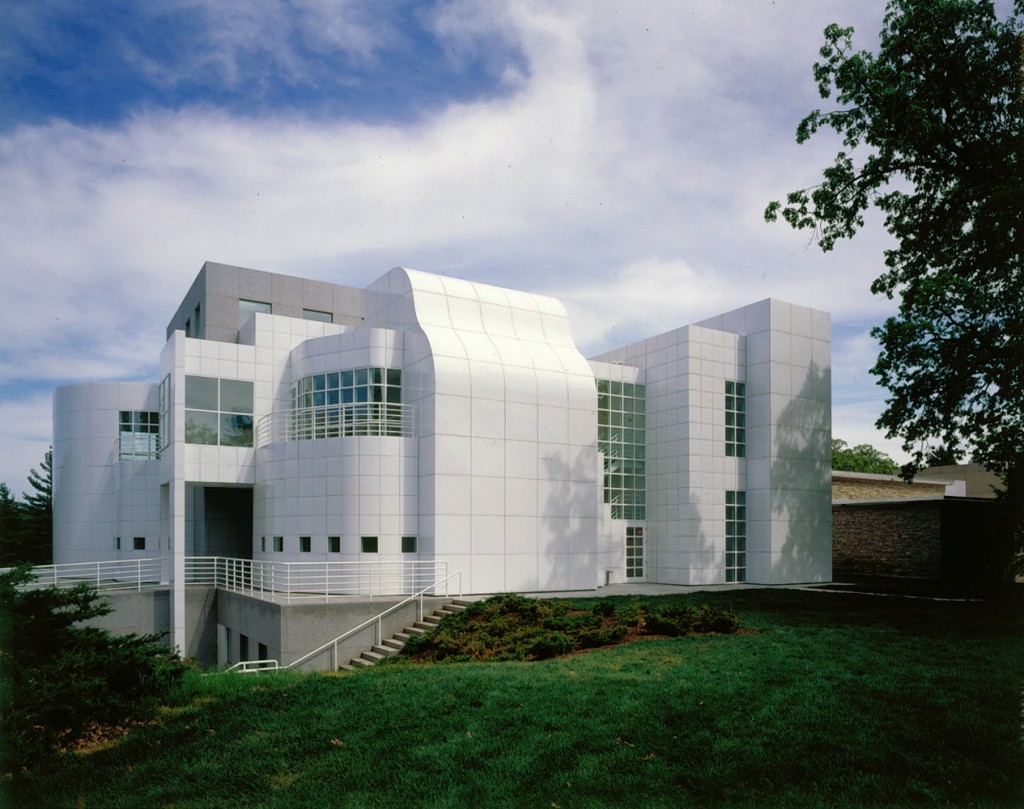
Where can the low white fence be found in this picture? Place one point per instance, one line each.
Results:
(313, 581)
(282, 581)
(117, 574)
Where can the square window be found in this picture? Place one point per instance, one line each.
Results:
(200, 427)
(369, 544)
(408, 544)
(334, 544)
(235, 430)
(278, 544)
(139, 543)
(236, 396)
(305, 544)
(201, 392)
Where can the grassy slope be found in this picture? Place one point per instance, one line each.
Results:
(840, 700)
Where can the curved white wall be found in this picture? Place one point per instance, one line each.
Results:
(507, 430)
(96, 497)
(350, 487)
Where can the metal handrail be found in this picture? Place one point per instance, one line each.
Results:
(333, 644)
(336, 421)
(114, 574)
(290, 581)
(250, 666)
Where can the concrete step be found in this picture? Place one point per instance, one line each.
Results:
(434, 619)
(395, 643)
(373, 657)
(424, 625)
(383, 649)
(415, 630)
(360, 662)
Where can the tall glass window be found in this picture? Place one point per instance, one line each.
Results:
(360, 401)
(138, 435)
(735, 419)
(165, 409)
(735, 536)
(218, 411)
(622, 438)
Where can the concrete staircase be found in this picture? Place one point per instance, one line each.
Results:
(393, 645)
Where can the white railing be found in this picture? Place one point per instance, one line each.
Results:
(137, 447)
(285, 581)
(117, 574)
(313, 581)
(376, 622)
(336, 421)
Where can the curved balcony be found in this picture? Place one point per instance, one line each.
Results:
(336, 421)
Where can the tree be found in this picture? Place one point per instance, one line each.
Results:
(10, 527)
(861, 458)
(37, 510)
(932, 127)
(59, 678)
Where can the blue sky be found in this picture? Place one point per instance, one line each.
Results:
(617, 154)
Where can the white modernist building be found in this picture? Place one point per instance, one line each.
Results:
(429, 418)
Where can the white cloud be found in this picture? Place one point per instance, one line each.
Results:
(625, 172)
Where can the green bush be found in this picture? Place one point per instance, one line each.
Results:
(58, 679)
(688, 619)
(512, 627)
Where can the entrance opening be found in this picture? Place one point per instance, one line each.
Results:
(219, 521)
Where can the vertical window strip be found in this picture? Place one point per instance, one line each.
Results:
(622, 438)
(735, 419)
(735, 536)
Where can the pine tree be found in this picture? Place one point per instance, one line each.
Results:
(11, 528)
(37, 509)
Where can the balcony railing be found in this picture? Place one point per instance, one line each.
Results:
(279, 581)
(336, 421)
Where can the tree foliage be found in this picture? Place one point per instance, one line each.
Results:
(932, 128)
(26, 526)
(861, 458)
(59, 678)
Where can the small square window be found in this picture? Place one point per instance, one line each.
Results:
(278, 544)
(139, 543)
(369, 544)
(334, 544)
(408, 544)
(305, 544)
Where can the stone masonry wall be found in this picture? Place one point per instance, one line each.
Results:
(888, 539)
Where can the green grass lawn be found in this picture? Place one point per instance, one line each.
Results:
(836, 700)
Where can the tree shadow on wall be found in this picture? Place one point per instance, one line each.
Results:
(568, 519)
(802, 481)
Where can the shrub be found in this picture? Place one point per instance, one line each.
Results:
(687, 619)
(60, 679)
(549, 644)
(511, 627)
